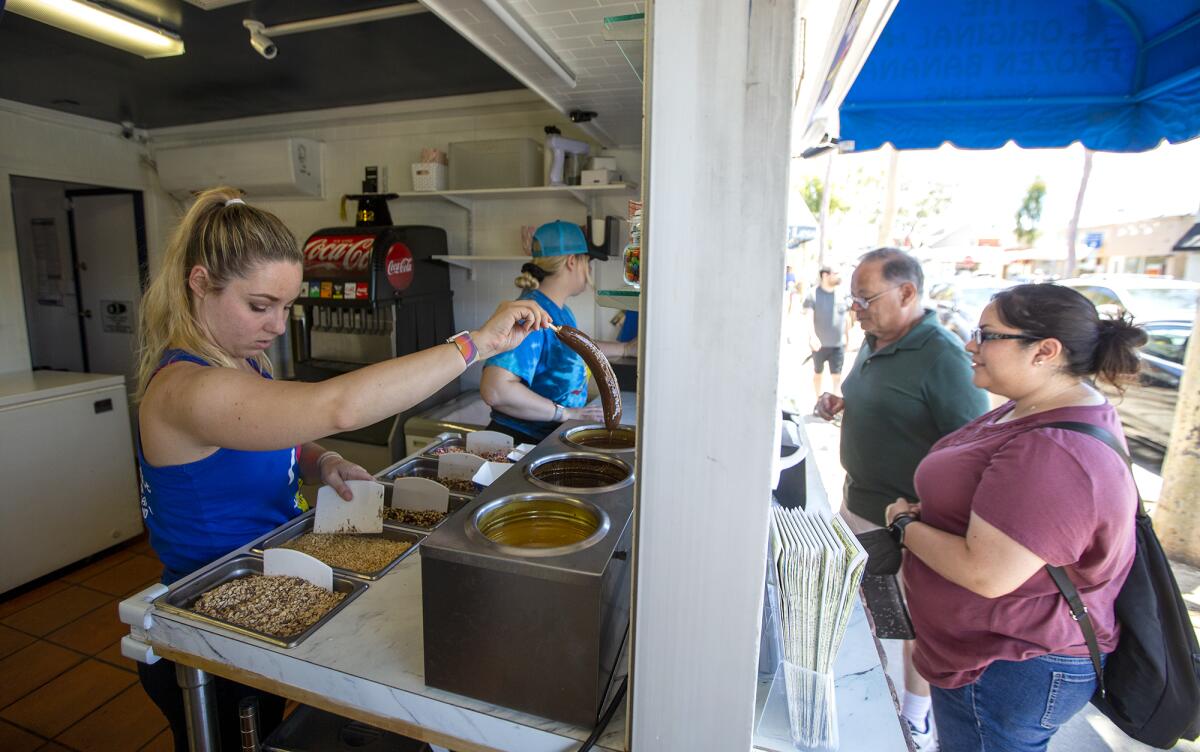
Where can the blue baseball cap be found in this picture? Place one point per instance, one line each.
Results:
(558, 238)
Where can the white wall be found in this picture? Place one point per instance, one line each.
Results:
(393, 135)
(40, 143)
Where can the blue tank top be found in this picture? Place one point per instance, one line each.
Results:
(546, 366)
(199, 511)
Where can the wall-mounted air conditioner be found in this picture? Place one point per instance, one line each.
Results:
(284, 167)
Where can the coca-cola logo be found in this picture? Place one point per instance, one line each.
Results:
(399, 266)
(338, 253)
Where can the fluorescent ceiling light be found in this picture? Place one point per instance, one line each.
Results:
(101, 24)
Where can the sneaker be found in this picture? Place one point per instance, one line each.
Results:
(923, 740)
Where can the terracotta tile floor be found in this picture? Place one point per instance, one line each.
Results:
(65, 684)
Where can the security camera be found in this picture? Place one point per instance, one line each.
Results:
(261, 43)
(128, 130)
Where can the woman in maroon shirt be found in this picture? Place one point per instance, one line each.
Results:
(1002, 497)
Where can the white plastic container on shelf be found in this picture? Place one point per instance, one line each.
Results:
(429, 176)
(495, 163)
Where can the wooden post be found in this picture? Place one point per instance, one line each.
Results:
(888, 218)
(1178, 513)
(718, 121)
(1073, 227)
(823, 220)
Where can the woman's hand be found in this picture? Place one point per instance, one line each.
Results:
(587, 412)
(902, 506)
(336, 470)
(508, 326)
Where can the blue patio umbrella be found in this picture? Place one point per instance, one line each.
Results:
(1116, 75)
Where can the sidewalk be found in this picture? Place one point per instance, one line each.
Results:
(1089, 731)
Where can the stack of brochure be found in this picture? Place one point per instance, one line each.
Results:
(819, 565)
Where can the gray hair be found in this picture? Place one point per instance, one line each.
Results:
(898, 267)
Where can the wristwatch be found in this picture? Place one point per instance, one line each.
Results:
(559, 413)
(466, 346)
(897, 527)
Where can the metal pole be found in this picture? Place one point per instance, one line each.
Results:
(200, 707)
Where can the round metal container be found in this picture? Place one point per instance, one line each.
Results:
(579, 472)
(595, 437)
(539, 524)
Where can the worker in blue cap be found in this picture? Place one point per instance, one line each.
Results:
(542, 382)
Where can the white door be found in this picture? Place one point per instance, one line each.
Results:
(106, 254)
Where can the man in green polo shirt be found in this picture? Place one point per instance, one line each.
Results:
(909, 386)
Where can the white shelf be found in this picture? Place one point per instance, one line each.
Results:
(582, 193)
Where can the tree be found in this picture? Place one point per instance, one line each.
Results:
(822, 204)
(1030, 213)
(915, 220)
(812, 191)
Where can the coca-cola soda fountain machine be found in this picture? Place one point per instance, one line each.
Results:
(371, 293)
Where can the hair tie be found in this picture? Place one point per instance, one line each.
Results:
(235, 201)
(534, 271)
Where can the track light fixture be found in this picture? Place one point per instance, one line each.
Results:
(262, 36)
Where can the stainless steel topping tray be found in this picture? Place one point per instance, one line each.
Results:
(180, 600)
(456, 503)
(305, 525)
(449, 440)
(418, 467)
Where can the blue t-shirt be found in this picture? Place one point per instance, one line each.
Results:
(199, 511)
(546, 366)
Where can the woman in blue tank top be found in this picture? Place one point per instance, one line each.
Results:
(222, 446)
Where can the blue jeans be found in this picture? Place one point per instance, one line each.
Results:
(1014, 706)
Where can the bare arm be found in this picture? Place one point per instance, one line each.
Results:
(987, 562)
(192, 405)
(505, 391)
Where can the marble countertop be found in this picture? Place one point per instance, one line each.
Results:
(370, 657)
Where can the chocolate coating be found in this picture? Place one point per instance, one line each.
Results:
(610, 390)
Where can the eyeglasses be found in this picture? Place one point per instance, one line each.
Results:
(865, 303)
(979, 336)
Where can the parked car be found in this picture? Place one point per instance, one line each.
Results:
(1146, 298)
(961, 300)
(1148, 408)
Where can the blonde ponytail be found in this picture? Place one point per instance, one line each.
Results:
(534, 271)
(225, 236)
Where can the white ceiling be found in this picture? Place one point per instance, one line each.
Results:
(574, 31)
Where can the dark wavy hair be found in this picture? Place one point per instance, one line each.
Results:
(1095, 347)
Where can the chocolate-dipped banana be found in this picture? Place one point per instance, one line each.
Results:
(610, 390)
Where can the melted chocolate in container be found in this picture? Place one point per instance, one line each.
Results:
(579, 473)
(610, 390)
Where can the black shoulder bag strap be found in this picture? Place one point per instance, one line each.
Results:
(1079, 611)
